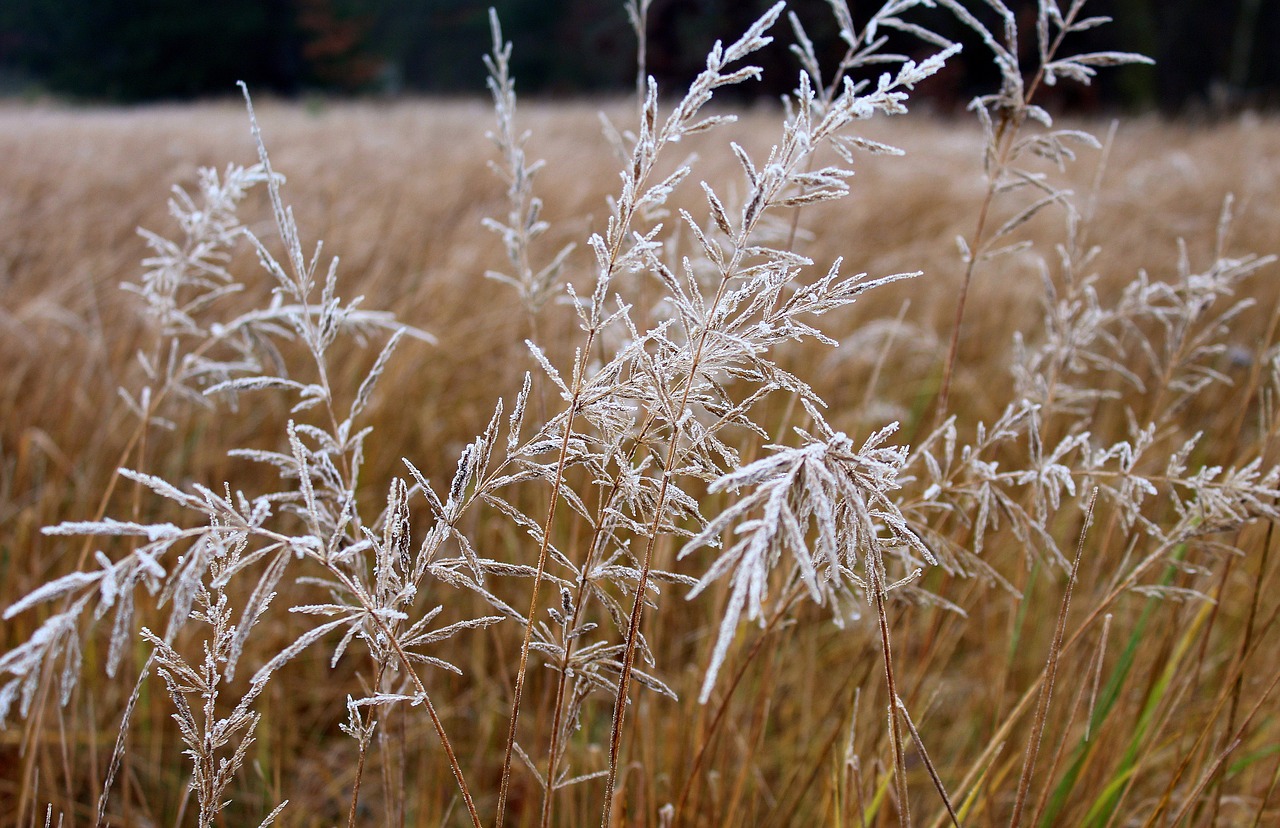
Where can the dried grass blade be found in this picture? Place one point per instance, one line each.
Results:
(928, 763)
(1051, 670)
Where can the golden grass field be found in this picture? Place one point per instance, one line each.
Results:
(398, 191)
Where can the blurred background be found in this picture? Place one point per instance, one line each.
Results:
(1212, 55)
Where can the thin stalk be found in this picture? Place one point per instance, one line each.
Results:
(1061, 750)
(798, 787)
(518, 693)
(422, 692)
(1051, 671)
(928, 763)
(118, 752)
(1232, 680)
(723, 708)
(1166, 799)
(876, 583)
(642, 585)
(944, 393)
(873, 381)
(1006, 135)
(1271, 789)
(751, 743)
(853, 766)
(1245, 645)
(1236, 738)
(998, 739)
(355, 786)
(638, 11)
(627, 212)
(728, 272)
(562, 678)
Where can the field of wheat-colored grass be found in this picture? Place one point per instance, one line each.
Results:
(398, 193)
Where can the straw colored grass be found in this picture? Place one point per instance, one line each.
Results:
(1163, 705)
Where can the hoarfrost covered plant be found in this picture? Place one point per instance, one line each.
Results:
(656, 412)
(847, 496)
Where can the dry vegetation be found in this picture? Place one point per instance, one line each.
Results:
(1163, 706)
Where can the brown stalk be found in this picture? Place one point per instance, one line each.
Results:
(1271, 788)
(928, 763)
(642, 585)
(439, 728)
(355, 785)
(1066, 726)
(639, 176)
(723, 707)
(751, 744)
(518, 693)
(1051, 671)
(876, 583)
(1167, 706)
(562, 679)
(1228, 695)
(1224, 696)
(800, 787)
(997, 740)
(668, 466)
(855, 782)
(944, 393)
(1236, 738)
(1238, 685)
(344, 579)
(1006, 135)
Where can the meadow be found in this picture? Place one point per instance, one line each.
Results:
(1049, 596)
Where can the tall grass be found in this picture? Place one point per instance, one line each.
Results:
(1006, 550)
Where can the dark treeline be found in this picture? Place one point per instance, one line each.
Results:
(1210, 53)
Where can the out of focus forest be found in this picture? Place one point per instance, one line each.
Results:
(1212, 55)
